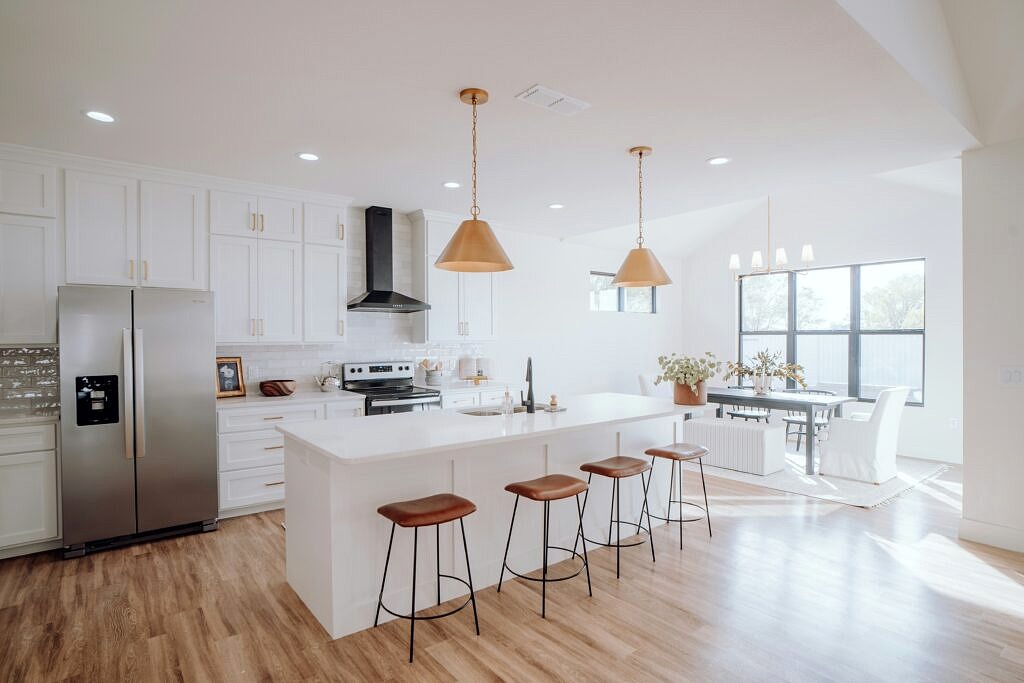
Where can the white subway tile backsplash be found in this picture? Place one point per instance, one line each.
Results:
(28, 381)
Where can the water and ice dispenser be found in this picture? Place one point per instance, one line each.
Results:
(97, 402)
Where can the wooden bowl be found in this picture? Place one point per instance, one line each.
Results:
(277, 387)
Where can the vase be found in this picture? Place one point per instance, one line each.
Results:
(683, 395)
(762, 384)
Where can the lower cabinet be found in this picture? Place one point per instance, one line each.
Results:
(28, 485)
(252, 486)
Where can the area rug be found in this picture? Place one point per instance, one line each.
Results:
(792, 479)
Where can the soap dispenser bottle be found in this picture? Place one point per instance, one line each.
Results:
(507, 408)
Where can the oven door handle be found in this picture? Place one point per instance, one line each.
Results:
(404, 401)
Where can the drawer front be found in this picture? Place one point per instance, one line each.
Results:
(247, 419)
(27, 439)
(28, 497)
(251, 487)
(492, 397)
(241, 450)
(347, 409)
(461, 400)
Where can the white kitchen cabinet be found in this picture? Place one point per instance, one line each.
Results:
(101, 225)
(325, 294)
(324, 224)
(240, 450)
(28, 189)
(240, 213)
(460, 399)
(342, 409)
(257, 485)
(28, 485)
(280, 291)
(461, 304)
(234, 280)
(250, 418)
(172, 236)
(28, 280)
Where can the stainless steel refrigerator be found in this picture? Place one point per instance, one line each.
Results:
(138, 433)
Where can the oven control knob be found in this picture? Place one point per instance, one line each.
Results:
(360, 369)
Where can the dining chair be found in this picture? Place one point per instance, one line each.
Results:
(746, 412)
(797, 419)
(865, 449)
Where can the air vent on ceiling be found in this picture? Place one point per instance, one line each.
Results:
(552, 100)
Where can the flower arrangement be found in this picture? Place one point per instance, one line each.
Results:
(688, 370)
(766, 364)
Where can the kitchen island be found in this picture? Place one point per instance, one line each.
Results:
(339, 472)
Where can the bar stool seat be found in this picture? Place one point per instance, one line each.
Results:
(679, 453)
(429, 511)
(617, 467)
(551, 487)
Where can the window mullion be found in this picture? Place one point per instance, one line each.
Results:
(791, 328)
(853, 370)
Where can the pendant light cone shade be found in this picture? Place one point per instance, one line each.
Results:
(474, 248)
(641, 267)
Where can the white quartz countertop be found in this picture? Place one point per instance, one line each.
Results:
(258, 399)
(399, 435)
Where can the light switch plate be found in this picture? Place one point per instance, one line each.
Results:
(1012, 375)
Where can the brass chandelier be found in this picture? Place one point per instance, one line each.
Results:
(641, 267)
(474, 248)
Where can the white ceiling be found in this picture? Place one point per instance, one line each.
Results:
(794, 90)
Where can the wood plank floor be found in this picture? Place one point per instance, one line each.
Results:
(789, 588)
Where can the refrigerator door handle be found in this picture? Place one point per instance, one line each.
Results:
(140, 406)
(128, 375)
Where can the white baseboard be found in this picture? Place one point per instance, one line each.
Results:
(996, 535)
(250, 509)
(29, 548)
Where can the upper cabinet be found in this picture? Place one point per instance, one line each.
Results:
(101, 223)
(241, 214)
(28, 280)
(172, 236)
(325, 294)
(28, 189)
(461, 304)
(324, 224)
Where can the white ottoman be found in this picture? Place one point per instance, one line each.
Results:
(742, 446)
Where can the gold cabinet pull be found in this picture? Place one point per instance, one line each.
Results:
(145, 269)
(275, 417)
(274, 483)
(341, 231)
(273, 448)
(263, 223)
(261, 327)
(252, 326)
(131, 269)
(341, 328)
(252, 221)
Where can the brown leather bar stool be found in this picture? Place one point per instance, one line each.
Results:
(546, 489)
(616, 468)
(430, 511)
(679, 453)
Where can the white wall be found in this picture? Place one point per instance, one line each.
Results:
(871, 219)
(993, 503)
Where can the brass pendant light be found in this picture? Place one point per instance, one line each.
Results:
(641, 267)
(474, 248)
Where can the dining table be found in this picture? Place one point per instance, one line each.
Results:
(806, 403)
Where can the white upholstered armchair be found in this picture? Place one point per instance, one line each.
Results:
(863, 447)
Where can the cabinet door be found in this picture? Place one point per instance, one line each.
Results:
(102, 229)
(28, 497)
(280, 291)
(324, 224)
(172, 236)
(478, 305)
(444, 319)
(325, 294)
(251, 486)
(28, 280)
(28, 188)
(280, 219)
(233, 273)
(232, 213)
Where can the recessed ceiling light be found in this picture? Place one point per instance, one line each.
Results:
(556, 206)
(308, 156)
(719, 161)
(100, 116)
(451, 185)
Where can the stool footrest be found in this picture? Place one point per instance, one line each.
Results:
(681, 518)
(413, 617)
(639, 530)
(575, 556)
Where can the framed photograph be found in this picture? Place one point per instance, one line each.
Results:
(230, 380)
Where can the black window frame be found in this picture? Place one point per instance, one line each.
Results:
(854, 334)
(621, 297)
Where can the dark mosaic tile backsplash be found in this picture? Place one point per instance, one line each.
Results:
(29, 382)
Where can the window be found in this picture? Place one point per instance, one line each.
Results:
(606, 297)
(856, 329)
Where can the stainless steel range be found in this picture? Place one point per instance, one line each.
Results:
(388, 387)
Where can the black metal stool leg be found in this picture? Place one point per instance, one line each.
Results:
(504, 561)
(618, 528)
(579, 534)
(469, 575)
(680, 484)
(380, 596)
(646, 508)
(707, 508)
(412, 621)
(544, 573)
(437, 547)
(586, 495)
(611, 511)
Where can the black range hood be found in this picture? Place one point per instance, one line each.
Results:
(380, 296)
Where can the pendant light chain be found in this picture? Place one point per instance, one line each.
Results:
(474, 210)
(640, 203)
